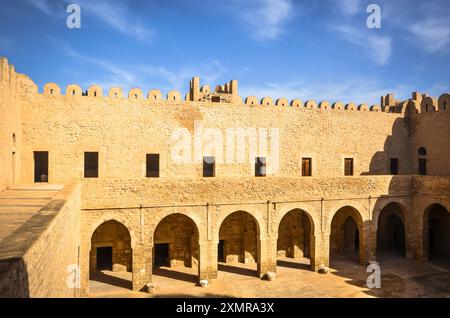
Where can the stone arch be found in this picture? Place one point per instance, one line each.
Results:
(296, 103)
(95, 91)
(363, 108)
(338, 106)
(115, 92)
(173, 96)
(52, 89)
(436, 234)
(428, 104)
(110, 217)
(135, 93)
(267, 101)
(444, 102)
(324, 105)
(251, 100)
(110, 251)
(311, 104)
(350, 106)
(219, 89)
(239, 239)
(391, 229)
(154, 95)
(375, 108)
(205, 89)
(176, 242)
(282, 102)
(73, 90)
(347, 234)
(296, 237)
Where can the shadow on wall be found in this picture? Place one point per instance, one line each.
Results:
(13, 278)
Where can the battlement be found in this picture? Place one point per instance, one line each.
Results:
(225, 94)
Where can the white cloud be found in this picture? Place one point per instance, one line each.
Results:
(433, 34)
(378, 48)
(265, 19)
(145, 75)
(114, 13)
(349, 7)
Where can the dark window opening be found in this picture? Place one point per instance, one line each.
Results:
(209, 167)
(306, 167)
(221, 251)
(73, 93)
(51, 91)
(422, 151)
(162, 255)
(40, 166)
(104, 258)
(348, 167)
(423, 167)
(91, 164)
(14, 139)
(260, 167)
(445, 104)
(393, 166)
(135, 96)
(152, 166)
(215, 99)
(95, 94)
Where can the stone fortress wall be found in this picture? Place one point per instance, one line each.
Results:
(234, 206)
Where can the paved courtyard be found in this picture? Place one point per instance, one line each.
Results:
(400, 278)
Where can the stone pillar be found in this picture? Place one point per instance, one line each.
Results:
(207, 260)
(322, 251)
(142, 266)
(195, 89)
(267, 256)
(369, 243)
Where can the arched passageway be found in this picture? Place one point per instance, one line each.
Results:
(346, 239)
(437, 234)
(110, 260)
(295, 244)
(239, 243)
(176, 248)
(391, 231)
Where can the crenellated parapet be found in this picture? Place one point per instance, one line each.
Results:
(226, 93)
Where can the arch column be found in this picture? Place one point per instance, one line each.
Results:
(142, 266)
(207, 262)
(267, 255)
(369, 241)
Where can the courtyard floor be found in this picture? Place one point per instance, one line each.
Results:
(399, 278)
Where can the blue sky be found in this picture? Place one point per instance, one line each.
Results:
(319, 49)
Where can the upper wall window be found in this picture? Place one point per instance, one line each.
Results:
(91, 164)
(209, 167)
(393, 166)
(260, 167)
(306, 167)
(152, 166)
(348, 166)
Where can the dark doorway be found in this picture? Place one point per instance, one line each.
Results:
(40, 166)
(423, 167)
(162, 255)
(221, 251)
(357, 240)
(104, 258)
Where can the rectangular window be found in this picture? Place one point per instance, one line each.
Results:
(393, 166)
(209, 167)
(306, 167)
(260, 167)
(40, 166)
(423, 167)
(152, 166)
(348, 166)
(91, 164)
